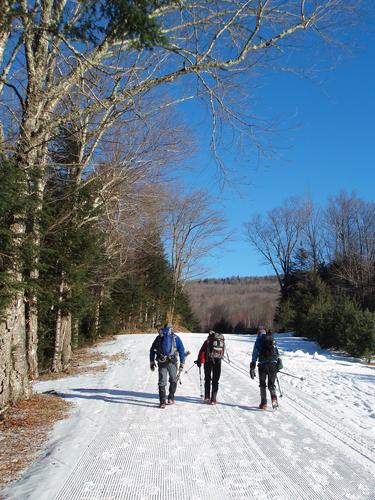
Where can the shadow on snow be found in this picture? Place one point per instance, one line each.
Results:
(144, 399)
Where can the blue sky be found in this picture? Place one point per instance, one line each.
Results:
(324, 142)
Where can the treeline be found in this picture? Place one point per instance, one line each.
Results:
(324, 260)
(234, 280)
(234, 305)
(86, 275)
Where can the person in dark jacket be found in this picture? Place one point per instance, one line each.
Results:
(211, 354)
(266, 353)
(164, 350)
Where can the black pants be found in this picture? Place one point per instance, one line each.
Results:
(212, 371)
(267, 370)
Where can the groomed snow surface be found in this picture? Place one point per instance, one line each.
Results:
(117, 443)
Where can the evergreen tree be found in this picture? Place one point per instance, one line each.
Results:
(13, 200)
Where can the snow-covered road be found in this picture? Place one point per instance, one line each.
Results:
(118, 444)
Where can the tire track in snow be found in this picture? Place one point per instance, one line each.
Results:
(327, 424)
(323, 468)
(247, 471)
(135, 464)
(334, 429)
(281, 464)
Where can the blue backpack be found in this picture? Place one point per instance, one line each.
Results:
(167, 344)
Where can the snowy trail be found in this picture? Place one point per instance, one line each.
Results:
(119, 445)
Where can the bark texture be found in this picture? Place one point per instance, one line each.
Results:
(14, 382)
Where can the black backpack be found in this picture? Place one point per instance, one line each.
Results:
(268, 349)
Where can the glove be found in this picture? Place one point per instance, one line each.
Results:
(252, 370)
(198, 363)
(152, 366)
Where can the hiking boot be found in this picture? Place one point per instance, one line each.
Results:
(275, 403)
(263, 406)
(162, 405)
(207, 400)
(171, 401)
(213, 401)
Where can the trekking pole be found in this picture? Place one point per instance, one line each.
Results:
(180, 370)
(278, 383)
(192, 366)
(200, 381)
(227, 356)
(290, 375)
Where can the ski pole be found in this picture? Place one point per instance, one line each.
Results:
(178, 380)
(278, 383)
(192, 366)
(290, 375)
(228, 356)
(200, 381)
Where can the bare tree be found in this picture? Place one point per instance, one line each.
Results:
(350, 229)
(276, 236)
(313, 235)
(192, 231)
(135, 157)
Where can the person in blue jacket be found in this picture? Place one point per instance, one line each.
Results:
(164, 350)
(267, 354)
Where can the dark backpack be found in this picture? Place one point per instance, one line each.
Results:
(268, 349)
(216, 346)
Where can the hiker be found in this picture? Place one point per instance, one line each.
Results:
(265, 351)
(210, 354)
(164, 350)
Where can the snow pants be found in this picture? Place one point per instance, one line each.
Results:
(167, 368)
(212, 372)
(267, 370)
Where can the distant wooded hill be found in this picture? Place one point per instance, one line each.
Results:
(236, 304)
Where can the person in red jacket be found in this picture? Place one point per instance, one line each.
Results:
(210, 355)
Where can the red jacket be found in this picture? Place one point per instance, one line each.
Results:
(203, 352)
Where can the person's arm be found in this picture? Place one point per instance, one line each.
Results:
(181, 349)
(256, 347)
(202, 353)
(154, 349)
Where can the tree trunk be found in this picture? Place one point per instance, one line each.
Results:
(146, 313)
(63, 333)
(173, 301)
(97, 312)
(30, 294)
(75, 334)
(14, 383)
(66, 335)
(31, 331)
(4, 27)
